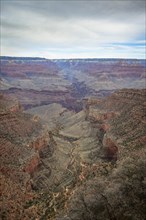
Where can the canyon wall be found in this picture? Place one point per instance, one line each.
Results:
(21, 139)
(38, 81)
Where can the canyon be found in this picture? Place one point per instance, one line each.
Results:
(40, 81)
(73, 139)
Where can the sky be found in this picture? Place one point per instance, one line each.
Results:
(73, 28)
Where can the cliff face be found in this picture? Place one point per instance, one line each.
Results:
(123, 115)
(21, 139)
(24, 137)
(34, 82)
(112, 187)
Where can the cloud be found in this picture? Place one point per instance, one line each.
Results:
(64, 28)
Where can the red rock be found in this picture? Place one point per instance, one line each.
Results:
(32, 165)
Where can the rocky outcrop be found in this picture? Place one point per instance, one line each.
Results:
(21, 139)
(8, 105)
(110, 148)
(32, 164)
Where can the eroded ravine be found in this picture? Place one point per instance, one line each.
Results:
(73, 147)
(76, 158)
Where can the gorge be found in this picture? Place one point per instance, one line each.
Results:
(73, 139)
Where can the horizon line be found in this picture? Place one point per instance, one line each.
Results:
(91, 58)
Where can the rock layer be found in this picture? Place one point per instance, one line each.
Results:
(39, 81)
(21, 138)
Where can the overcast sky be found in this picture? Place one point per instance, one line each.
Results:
(73, 29)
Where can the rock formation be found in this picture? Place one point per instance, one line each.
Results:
(38, 81)
(68, 153)
(21, 138)
(103, 162)
(114, 188)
